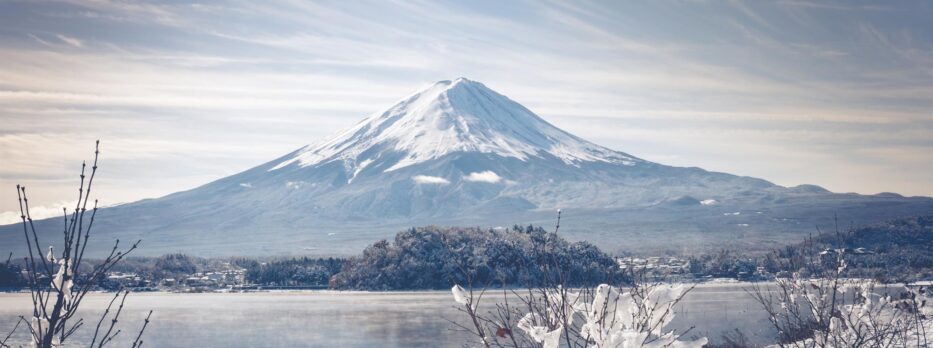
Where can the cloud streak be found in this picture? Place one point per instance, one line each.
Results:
(184, 93)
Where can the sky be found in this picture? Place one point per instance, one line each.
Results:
(837, 94)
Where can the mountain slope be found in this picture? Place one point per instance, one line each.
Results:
(458, 153)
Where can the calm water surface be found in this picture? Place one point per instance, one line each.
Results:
(348, 319)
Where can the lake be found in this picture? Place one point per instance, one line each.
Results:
(347, 319)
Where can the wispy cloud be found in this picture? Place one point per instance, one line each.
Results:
(429, 180)
(70, 40)
(183, 93)
(60, 40)
(487, 176)
(37, 212)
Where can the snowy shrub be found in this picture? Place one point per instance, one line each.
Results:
(635, 318)
(837, 312)
(604, 317)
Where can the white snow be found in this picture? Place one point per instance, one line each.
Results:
(487, 176)
(449, 117)
(613, 319)
(625, 320)
(427, 179)
(460, 295)
(359, 169)
(59, 281)
(540, 333)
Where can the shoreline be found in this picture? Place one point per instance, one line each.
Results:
(705, 284)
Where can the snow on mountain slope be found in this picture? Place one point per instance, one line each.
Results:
(456, 149)
(448, 117)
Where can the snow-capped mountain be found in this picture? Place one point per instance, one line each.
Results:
(457, 149)
(446, 118)
(459, 153)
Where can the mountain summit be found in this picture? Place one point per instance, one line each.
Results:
(449, 117)
(459, 153)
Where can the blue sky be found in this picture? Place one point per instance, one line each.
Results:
(838, 94)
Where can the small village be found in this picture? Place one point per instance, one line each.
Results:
(196, 282)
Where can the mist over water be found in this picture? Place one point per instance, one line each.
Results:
(350, 319)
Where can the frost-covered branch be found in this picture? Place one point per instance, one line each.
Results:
(56, 302)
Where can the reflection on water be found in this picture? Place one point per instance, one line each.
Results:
(348, 319)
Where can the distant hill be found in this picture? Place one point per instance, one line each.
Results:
(458, 153)
(438, 258)
(895, 250)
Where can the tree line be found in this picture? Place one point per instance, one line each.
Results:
(436, 257)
